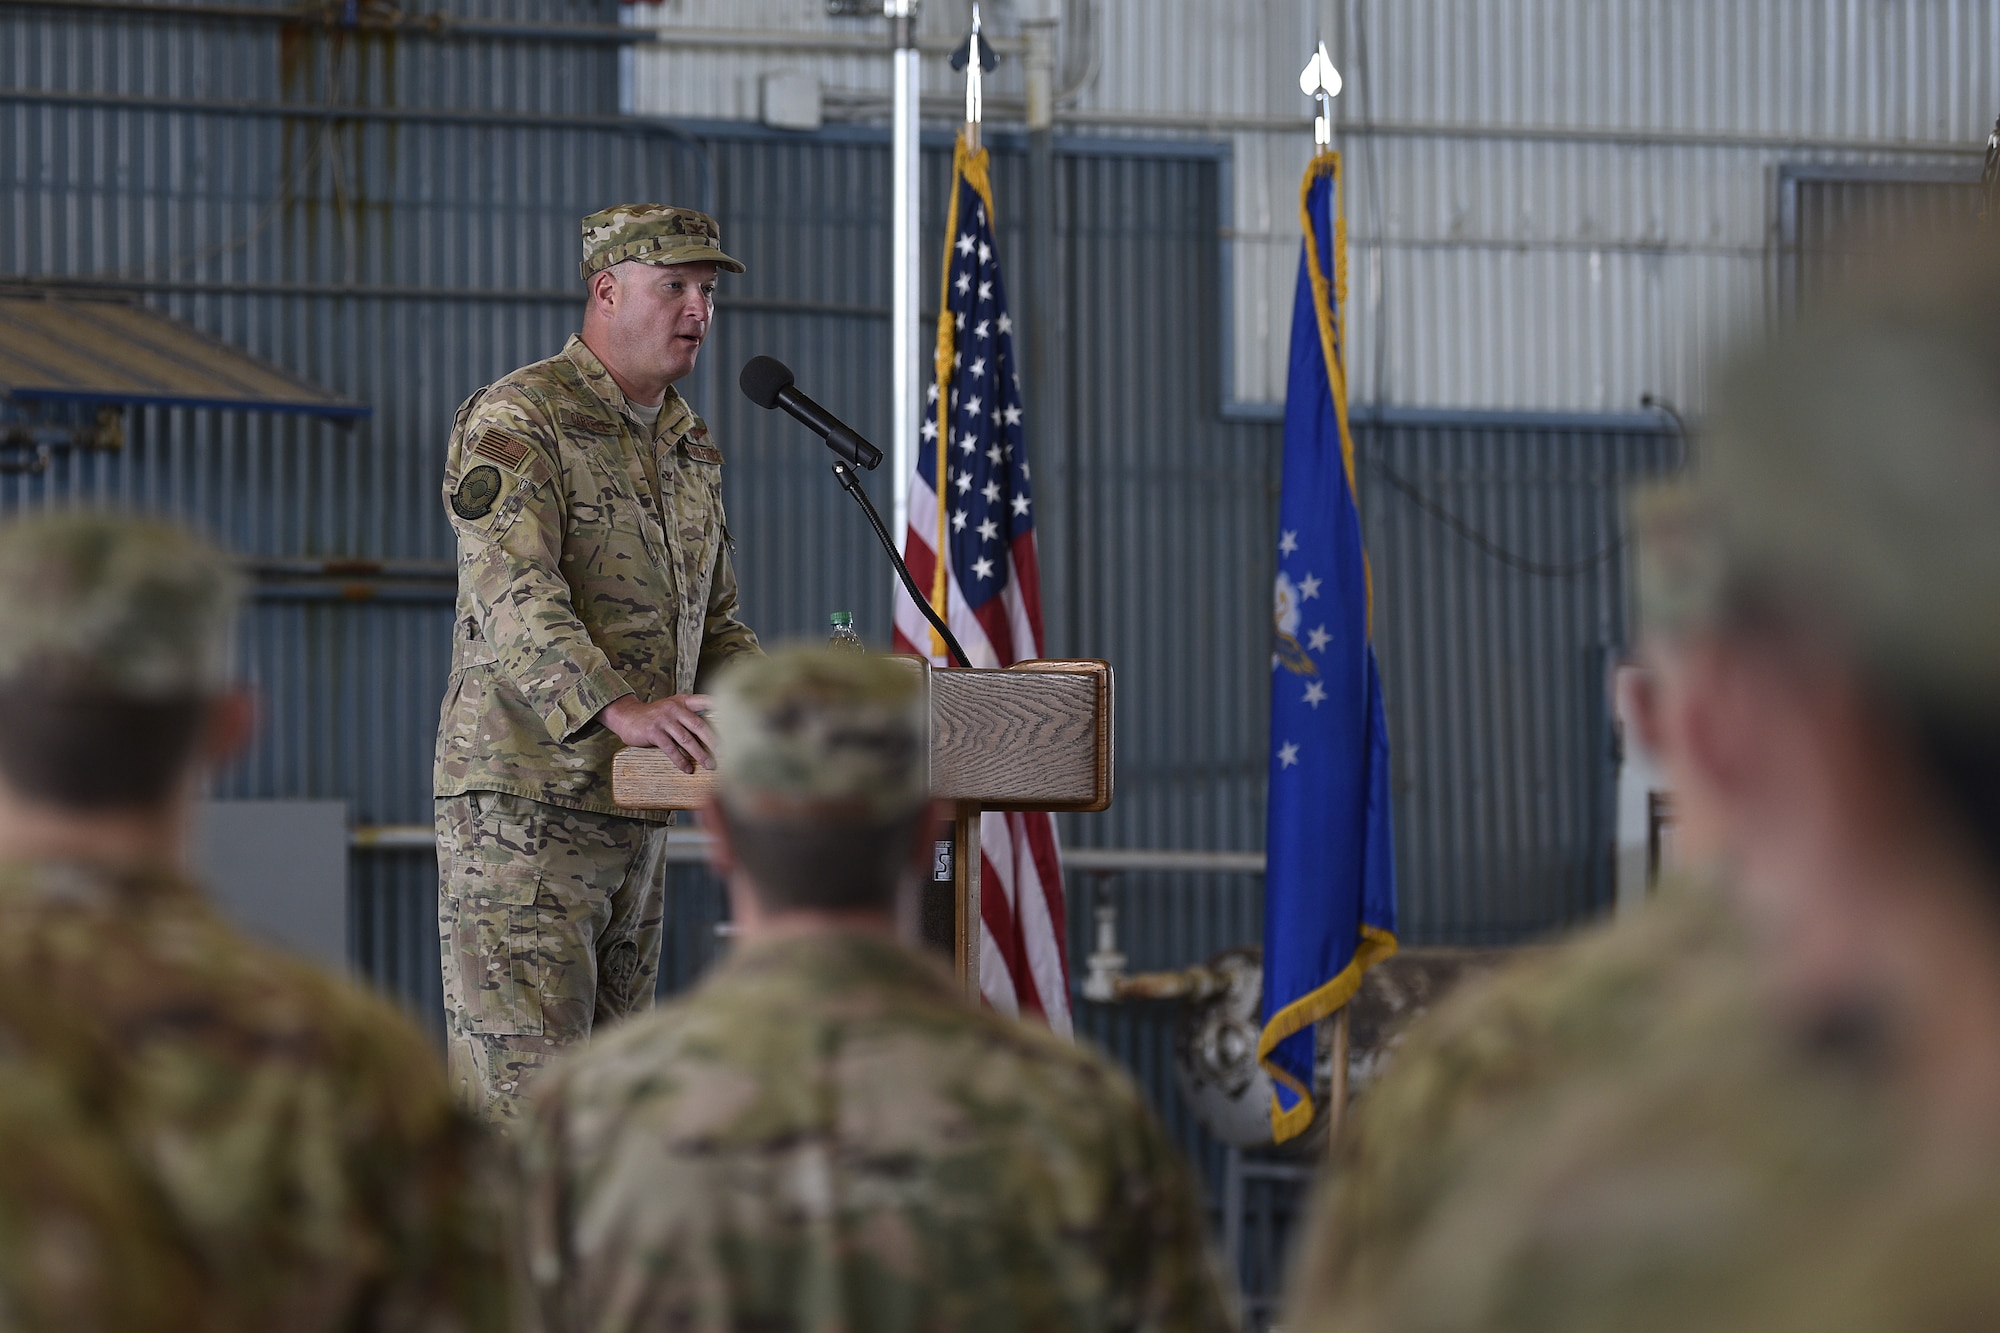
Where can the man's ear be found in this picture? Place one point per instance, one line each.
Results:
(1725, 721)
(721, 852)
(231, 722)
(1636, 702)
(604, 289)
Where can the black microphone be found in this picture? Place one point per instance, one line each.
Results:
(767, 382)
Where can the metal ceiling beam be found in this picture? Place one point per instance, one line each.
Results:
(1634, 137)
(329, 18)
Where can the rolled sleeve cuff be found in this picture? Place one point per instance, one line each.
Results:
(583, 701)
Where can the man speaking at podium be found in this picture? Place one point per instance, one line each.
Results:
(595, 591)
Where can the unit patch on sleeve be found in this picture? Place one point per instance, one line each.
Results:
(507, 453)
(477, 490)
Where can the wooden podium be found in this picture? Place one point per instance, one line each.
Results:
(1032, 737)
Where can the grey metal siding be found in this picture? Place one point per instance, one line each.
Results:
(1501, 601)
(1556, 204)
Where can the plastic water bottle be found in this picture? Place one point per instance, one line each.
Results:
(843, 639)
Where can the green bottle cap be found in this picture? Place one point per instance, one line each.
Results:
(842, 618)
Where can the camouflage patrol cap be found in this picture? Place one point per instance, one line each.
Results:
(808, 730)
(101, 602)
(1850, 479)
(652, 234)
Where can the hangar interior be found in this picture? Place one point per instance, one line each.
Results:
(1550, 218)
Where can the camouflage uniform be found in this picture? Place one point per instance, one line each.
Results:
(296, 1130)
(1619, 1136)
(84, 1247)
(593, 563)
(293, 1134)
(827, 1134)
(1608, 1138)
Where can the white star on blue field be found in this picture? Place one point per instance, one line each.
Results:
(986, 495)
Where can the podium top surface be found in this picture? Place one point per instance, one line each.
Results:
(1031, 737)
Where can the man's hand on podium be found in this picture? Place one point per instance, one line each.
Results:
(675, 726)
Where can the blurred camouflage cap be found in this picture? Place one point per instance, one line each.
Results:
(1850, 478)
(652, 234)
(808, 729)
(133, 607)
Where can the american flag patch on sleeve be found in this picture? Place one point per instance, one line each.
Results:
(510, 454)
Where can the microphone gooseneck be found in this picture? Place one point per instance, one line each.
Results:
(767, 382)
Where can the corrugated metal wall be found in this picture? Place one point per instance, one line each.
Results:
(1501, 601)
(1591, 182)
(1556, 204)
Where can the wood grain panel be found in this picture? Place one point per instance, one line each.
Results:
(648, 780)
(1033, 737)
(1020, 739)
(966, 859)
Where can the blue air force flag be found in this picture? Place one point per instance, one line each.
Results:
(1330, 884)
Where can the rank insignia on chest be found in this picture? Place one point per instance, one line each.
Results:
(585, 425)
(477, 490)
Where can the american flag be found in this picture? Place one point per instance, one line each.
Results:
(975, 554)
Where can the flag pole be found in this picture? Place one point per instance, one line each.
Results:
(906, 345)
(1320, 81)
(975, 107)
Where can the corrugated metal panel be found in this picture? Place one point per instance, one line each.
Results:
(1170, 507)
(847, 55)
(1600, 252)
(1558, 205)
(171, 55)
(1501, 602)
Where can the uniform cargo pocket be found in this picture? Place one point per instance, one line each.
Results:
(469, 648)
(495, 938)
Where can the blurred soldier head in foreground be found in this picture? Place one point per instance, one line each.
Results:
(827, 1132)
(824, 787)
(114, 678)
(1822, 610)
(1769, 1098)
(284, 1139)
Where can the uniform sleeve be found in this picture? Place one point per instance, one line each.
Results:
(448, 1233)
(724, 635)
(1398, 1154)
(422, 1190)
(539, 1246)
(506, 504)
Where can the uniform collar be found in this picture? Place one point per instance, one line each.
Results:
(675, 415)
(840, 962)
(86, 884)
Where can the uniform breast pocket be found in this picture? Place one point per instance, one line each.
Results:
(698, 518)
(494, 927)
(606, 509)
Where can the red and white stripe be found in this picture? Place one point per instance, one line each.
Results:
(1023, 968)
